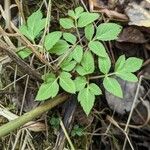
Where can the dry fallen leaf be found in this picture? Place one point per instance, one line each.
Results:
(124, 105)
(35, 126)
(141, 115)
(99, 6)
(138, 15)
(131, 35)
(95, 4)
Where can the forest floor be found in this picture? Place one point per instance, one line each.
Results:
(61, 123)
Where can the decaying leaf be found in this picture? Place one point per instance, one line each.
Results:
(138, 15)
(96, 3)
(81, 117)
(123, 105)
(129, 49)
(141, 114)
(99, 6)
(131, 35)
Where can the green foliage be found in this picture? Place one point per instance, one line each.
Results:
(89, 31)
(108, 31)
(80, 83)
(132, 64)
(87, 64)
(128, 76)
(75, 14)
(66, 23)
(86, 18)
(70, 38)
(24, 53)
(95, 89)
(51, 39)
(125, 68)
(112, 86)
(97, 48)
(86, 98)
(35, 24)
(79, 11)
(120, 63)
(77, 53)
(55, 122)
(48, 89)
(59, 48)
(77, 131)
(66, 82)
(78, 56)
(69, 66)
(104, 64)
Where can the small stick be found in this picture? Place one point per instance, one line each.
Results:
(7, 14)
(25, 67)
(66, 134)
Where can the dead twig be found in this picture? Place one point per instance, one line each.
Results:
(131, 112)
(25, 67)
(70, 108)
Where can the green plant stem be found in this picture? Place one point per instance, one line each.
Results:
(20, 121)
(76, 26)
(96, 77)
(102, 76)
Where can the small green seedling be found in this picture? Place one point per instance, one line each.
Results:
(55, 122)
(79, 56)
(77, 131)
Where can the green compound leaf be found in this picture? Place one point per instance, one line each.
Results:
(70, 38)
(66, 23)
(80, 83)
(72, 14)
(48, 77)
(47, 90)
(77, 131)
(81, 71)
(95, 89)
(51, 39)
(67, 83)
(88, 62)
(78, 11)
(60, 47)
(77, 53)
(97, 48)
(89, 31)
(87, 18)
(32, 29)
(69, 66)
(112, 86)
(24, 30)
(127, 76)
(120, 63)
(66, 61)
(86, 99)
(104, 64)
(66, 74)
(24, 53)
(108, 31)
(55, 122)
(133, 64)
